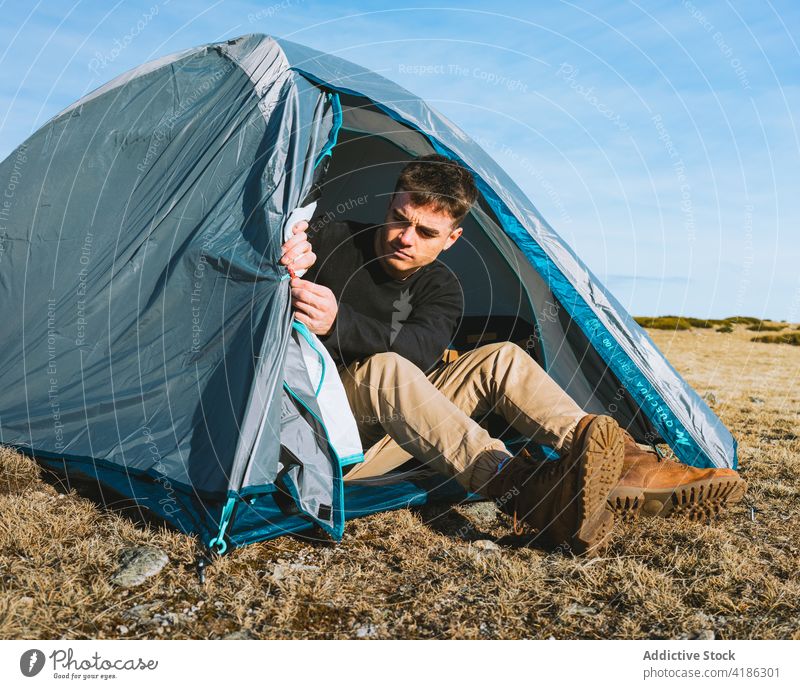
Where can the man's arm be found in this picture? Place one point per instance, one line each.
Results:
(419, 335)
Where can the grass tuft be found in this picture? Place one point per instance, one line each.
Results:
(766, 327)
(784, 338)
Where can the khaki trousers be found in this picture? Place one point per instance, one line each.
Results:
(402, 413)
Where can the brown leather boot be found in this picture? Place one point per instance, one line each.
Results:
(655, 487)
(565, 500)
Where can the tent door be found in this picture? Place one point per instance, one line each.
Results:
(318, 432)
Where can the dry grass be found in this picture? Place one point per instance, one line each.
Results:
(414, 573)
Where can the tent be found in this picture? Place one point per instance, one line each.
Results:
(148, 342)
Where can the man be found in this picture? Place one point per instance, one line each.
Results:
(386, 309)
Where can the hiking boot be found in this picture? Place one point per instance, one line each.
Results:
(565, 500)
(655, 487)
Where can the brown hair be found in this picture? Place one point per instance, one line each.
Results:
(434, 180)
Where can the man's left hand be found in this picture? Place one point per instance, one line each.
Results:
(315, 305)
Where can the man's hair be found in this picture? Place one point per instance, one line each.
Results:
(434, 180)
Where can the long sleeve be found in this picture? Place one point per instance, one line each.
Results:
(418, 332)
(417, 317)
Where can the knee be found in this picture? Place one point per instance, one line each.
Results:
(388, 367)
(502, 356)
(386, 360)
(504, 351)
(510, 350)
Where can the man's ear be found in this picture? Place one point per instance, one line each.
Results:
(454, 235)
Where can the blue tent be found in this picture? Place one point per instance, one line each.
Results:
(149, 343)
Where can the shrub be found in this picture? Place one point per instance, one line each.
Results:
(723, 325)
(766, 327)
(663, 322)
(749, 320)
(784, 338)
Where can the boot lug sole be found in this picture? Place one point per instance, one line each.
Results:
(698, 500)
(600, 471)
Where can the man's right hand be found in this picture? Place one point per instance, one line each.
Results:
(296, 252)
(315, 306)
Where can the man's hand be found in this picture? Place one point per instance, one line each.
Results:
(315, 306)
(296, 252)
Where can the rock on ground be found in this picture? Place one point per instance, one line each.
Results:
(483, 549)
(485, 511)
(138, 564)
(240, 635)
(283, 570)
(485, 544)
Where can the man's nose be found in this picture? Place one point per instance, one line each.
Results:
(407, 235)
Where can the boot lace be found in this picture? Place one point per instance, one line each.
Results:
(523, 470)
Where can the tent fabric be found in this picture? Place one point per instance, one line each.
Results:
(680, 415)
(149, 343)
(140, 273)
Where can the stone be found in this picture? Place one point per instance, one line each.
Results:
(710, 397)
(485, 544)
(285, 570)
(484, 549)
(239, 635)
(703, 635)
(138, 564)
(756, 400)
(582, 610)
(365, 631)
(484, 511)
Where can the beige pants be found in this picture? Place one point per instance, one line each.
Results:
(402, 413)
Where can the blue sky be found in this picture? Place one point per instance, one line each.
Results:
(658, 138)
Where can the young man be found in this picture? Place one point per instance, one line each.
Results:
(386, 309)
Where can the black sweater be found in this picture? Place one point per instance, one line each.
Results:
(416, 317)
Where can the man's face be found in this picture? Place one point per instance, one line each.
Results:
(412, 236)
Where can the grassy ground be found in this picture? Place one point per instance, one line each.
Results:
(417, 573)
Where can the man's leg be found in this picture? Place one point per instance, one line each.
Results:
(379, 458)
(498, 378)
(502, 378)
(391, 396)
(563, 501)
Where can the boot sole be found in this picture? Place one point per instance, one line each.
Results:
(698, 500)
(601, 465)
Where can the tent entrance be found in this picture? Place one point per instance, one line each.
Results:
(505, 297)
